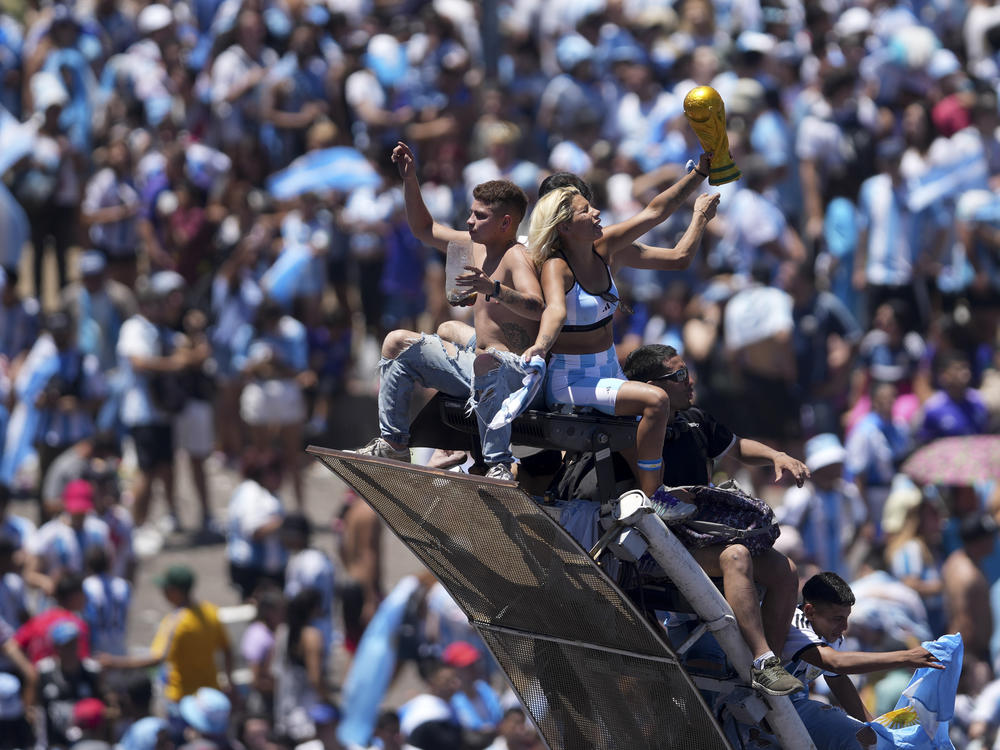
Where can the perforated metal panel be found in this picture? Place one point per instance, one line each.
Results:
(590, 669)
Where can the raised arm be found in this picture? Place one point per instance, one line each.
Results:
(619, 237)
(422, 224)
(640, 255)
(555, 276)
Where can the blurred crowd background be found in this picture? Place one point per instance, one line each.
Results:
(202, 242)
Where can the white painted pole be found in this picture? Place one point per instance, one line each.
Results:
(712, 607)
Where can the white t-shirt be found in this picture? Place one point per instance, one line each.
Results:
(138, 338)
(106, 612)
(250, 508)
(62, 548)
(800, 637)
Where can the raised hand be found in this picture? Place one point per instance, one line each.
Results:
(404, 160)
(707, 204)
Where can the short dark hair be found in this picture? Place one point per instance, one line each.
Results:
(97, 560)
(827, 588)
(69, 585)
(948, 358)
(976, 527)
(646, 362)
(565, 179)
(502, 194)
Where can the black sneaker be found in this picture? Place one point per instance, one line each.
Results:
(774, 679)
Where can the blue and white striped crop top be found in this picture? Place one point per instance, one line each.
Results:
(589, 311)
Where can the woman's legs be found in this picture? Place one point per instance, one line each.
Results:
(653, 405)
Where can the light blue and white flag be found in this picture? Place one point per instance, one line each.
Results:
(519, 400)
(962, 167)
(373, 666)
(17, 139)
(920, 719)
(339, 168)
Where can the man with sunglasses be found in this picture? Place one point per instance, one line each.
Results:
(693, 441)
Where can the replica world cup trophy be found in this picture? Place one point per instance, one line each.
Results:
(705, 111)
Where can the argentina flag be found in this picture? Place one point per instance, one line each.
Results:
(339, 168)
(920, 720)
(16, 139)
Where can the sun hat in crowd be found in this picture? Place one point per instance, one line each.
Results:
(824, 450)
(903, 497)
(144, 734)
(460, 654)
(207, 711)
(78, 496)
(10, 697)
(163, 283)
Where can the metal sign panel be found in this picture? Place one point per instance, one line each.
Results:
(583, 660)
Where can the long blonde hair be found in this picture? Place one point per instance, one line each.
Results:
(552, 209)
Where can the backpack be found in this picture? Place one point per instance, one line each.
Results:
(726, 515)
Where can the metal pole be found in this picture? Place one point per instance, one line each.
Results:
(715, 611)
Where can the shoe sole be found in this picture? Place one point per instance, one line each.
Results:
(777, 693)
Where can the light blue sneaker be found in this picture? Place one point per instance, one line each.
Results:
(669, 508)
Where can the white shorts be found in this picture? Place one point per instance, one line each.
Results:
(194, 429)
(584, 380)
(272, 402)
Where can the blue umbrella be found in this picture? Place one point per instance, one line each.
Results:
(339, 168)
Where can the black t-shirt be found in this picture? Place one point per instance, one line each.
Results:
(692, 438)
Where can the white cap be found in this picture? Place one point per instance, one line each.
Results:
(853, 21)
(153, 18)
(47, 90)
(163, 283)
(824, 450)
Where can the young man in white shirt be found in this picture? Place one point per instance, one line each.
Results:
(814, 647)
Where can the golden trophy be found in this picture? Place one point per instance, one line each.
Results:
(705, 111)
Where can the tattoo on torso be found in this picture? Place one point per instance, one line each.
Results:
(516, 335)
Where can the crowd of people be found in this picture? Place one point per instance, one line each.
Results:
(214, 182)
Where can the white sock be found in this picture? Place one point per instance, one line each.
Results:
(758, 663)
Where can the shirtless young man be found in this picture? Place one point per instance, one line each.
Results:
(507, 307)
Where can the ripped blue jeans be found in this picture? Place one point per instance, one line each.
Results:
(425, 361)
(488, 393)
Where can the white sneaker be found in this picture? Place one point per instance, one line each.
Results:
(379, 448)
(500, 471)
(669, 508)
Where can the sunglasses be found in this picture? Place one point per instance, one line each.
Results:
(677, 376)
(609, 297)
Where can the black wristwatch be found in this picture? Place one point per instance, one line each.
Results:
(496, 291)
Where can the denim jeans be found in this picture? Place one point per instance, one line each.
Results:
(488, 393)
(830, 727)
(425, 361)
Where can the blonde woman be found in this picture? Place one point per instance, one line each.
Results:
(576, 257)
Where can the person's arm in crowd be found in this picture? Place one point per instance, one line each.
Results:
(35, 575)
(283, 119)
(812, 198)
(847, 696)
(312, 656)
(859, 277)
(24, 667)
(754, 453)
(91, 211)
(641, 255)
(422, 224)
(155, 254)
(619, 237)
(863, 662)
